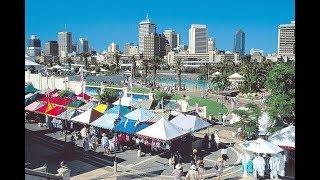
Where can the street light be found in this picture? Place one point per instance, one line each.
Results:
(115, 136)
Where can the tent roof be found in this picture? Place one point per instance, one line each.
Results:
(129, 126)
(88, 106)
(189, 122)
(34, 106)
(284, 137)
(126, 101)
(261, 146)
(87, 117)
(44, 109)
(30, 89)
(56, 111)
(68, 114)
(163, 130)
(101, 108)
(235, 76)
(60, 101)
(141, 115)
(106, 121)
(160, 115)
(116, 109)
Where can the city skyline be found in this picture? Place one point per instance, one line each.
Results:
(259, 21)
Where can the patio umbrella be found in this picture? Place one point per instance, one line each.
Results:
(260, 146)
(284, 138)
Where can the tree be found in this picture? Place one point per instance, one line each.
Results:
(134, 66)
(85, 55)
(155, 62)
(145, 63)
(178, 67)
(281, 84)
(108, 96)
(249, 120)
(65, 93)
(69, 61)
(116, 57)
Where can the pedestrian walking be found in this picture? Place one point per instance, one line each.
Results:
(219, 166)
(177, 172)
(105, 143)
(192, 174)
(217, 140)
(201, 169)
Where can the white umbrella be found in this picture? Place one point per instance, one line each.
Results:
(236, 78)
(260, 146)
(284, 137)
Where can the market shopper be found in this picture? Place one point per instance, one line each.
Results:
(192, 174)
(219, 166)
(105, 143)
(177, 172)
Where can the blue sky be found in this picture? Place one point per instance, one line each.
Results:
(103, 22)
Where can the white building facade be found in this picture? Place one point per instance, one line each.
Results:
(286, 39)
(198, 39)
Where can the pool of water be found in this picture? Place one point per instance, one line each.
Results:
(96, 91)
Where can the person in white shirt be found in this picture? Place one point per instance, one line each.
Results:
(282, 161)
(258, 166)
(217, 139)
(274, 165)
(83, 132)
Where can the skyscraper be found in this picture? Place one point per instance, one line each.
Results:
(154, 45)
(172, 38)
(34, 46)
(51, 48)
(178, 40)
(198, 39)
(239, 42)
(146, 27)
(65, 43)
(211, 44)
(286, 39)
(83, 45)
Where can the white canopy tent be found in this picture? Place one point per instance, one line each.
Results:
(140, 115)
(28, 63)
(87, 117)
(189, 122)
(215, 74)
(284, 138)
(163, 130)
(236, 78)
(260, 146)
(126, 101)
(106, 121)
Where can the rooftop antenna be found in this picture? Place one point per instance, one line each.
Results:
(147, 17)
(65, 27)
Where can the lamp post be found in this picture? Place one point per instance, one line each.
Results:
(115, 136)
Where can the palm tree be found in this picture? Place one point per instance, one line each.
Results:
(85, 55)
(134, 66)
(178, 64)
(155, 62)
(145, 63)
(116, 57)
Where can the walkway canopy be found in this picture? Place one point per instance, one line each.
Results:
(106, 121)
(189, 122)
(30, 89)
(129, 126)
(284, 138)
(140, 115)
(87, 117)
(126, 101)
(163, 130)
(119, 109)
(260, 146)
(101, 108)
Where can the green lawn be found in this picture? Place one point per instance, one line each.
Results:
(141, 90)
(213, 107)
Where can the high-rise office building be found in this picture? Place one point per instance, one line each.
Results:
(34, 46)
(113, 47)
(172, 38)
(239, 42)
(65, 43)
(286, 39)
(146, 27)
(51, 48)
(154, 45)
(198, 39)
(178, 40)
(83, 46)
(211, 44)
